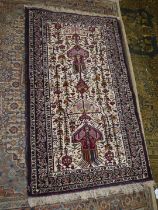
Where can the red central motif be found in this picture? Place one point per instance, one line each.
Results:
(87, 135)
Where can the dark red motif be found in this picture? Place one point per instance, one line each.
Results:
(82, 87)
(76, 37)
(84, 116)
(66, 159)
(92, 29)
(78, 54)
(87, 135)
(58, 26)
(109, 156)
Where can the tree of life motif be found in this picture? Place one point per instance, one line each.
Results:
(87, 135)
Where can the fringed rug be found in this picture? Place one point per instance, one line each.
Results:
(83, 127)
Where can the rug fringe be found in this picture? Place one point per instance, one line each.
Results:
(85, 195)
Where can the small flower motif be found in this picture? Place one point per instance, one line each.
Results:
(14, 106)
(92, 29)
(6, 75)
(15, 84)
(13, 130)
(58, 26)
(4, 118)
(16, 65)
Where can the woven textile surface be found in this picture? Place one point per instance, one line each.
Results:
(136, 200)
(84, 130)
(12, 92)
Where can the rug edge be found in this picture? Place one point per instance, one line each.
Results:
(68, 10)
(93, 194)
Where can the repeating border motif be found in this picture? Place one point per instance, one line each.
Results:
(40, 144)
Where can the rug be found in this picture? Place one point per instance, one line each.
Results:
(83, 127)
(136, 200)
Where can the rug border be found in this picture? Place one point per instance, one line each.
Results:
(135, 99)
(27, 101)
